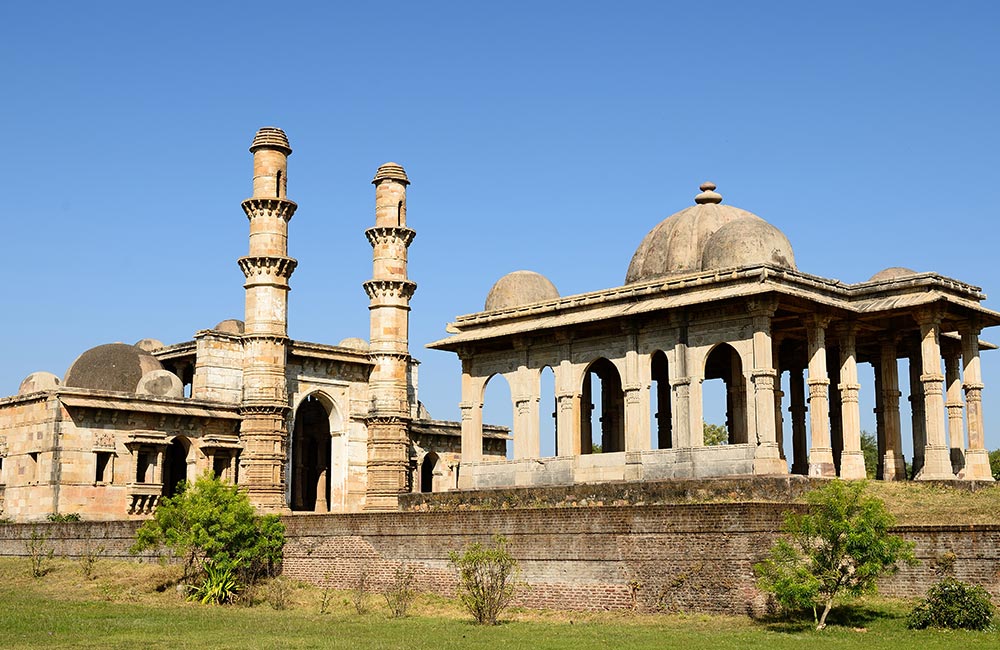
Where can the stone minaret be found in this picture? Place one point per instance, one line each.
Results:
(389, 292)
(264, 408)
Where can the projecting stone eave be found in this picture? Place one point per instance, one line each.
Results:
(723, 284)
(177, 350)
(309, 350)
(121, 401)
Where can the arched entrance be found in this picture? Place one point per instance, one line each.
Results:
(660, 402)
(724, 364)
(602, 377)
(427, 467)
(175, 465)
(310, 484)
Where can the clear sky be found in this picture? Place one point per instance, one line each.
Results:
(538, 135)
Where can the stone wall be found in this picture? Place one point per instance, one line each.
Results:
(691, 557)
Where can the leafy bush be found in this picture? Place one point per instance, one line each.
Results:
(67, 518)
(399, 592)
(953, 604)
(842, 545)
(995, 463)
(219, 586)
(487, 579)
(211, 523)
(39, 553)
(279, 593)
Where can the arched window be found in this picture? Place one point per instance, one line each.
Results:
(724, 388)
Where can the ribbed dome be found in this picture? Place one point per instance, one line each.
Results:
(520, 288)
(271, 137)
(391, 170)
(678, 244)
(115, 366)
(891, 273)
(747, 242)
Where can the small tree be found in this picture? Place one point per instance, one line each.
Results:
(487, 579)
(841, 546)
(995, 463)
(869, 447)
(715, 434)
(213, 522)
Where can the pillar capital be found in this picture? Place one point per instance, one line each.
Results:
(929, 315)
(762, 306)
(816, 320)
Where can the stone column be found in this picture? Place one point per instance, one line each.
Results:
(568, 405)
(472, 416)
(893, 464)
(796, 386)
(820, 452)
(767, 457)
(779, 422)
(977, 463)
(635, 385)
(955, 407)
(917, 414)
(937, 456)
(680, 384)
(852, 459)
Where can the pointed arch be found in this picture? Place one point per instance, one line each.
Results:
(498, 405)
(176, 460)
(723, 363)
(310, 453)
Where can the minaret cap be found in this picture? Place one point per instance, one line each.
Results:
(708, 194)
(391, 171)
(271, 137)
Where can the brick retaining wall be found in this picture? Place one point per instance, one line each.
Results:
(692, 557)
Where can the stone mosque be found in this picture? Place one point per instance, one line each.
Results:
(712, 292)
(303, 427)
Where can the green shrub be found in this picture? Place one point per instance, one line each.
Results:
(218, 587)
(67, 518)
(399, 592)
(213, 523)
(487, 579)
(953, 604)
(995, 463)
(39, 553)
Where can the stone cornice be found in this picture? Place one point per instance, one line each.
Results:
(383, 234)
(377, 289)
(275, 266)
(269, 207)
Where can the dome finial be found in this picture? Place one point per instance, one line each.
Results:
(708, 194)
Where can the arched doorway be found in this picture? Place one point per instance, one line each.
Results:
(602, 389)
(659, 402)
(310, 484)
(724, 364)
(175, 465)
(427, 467)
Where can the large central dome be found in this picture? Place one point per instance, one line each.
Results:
(707, 236)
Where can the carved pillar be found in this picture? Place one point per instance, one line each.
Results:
(893, 464)
(820, 452)
(937, 456)
(977, 463)
(800, 459)
(472, 417)
(917, 413)
(568, 406)
(852, 459)
(767, 457)
(955, 407)
(636, 387)
(779, 422)
(680, 384)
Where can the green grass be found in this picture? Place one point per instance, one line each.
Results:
(121, 608)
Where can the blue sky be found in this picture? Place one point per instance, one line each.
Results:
(546, 136)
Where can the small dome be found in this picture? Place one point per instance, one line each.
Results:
(148, 345)
(391, 170)
(271, 137)
(115, 366)
(747, 242)
(38, 381)
(677, 244)
(160, 383)
(520, 288)
(230, 326)
(354, 343)
(891, 273)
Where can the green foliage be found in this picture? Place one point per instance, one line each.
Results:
(487, 579)
(399, 592)
(212, 522)
(995, 463)
(953, 604)
(869, 447)
(67, 518)
(715, 434)
(218, 587)
(841, 546)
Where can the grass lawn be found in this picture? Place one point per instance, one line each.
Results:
(121, 608)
